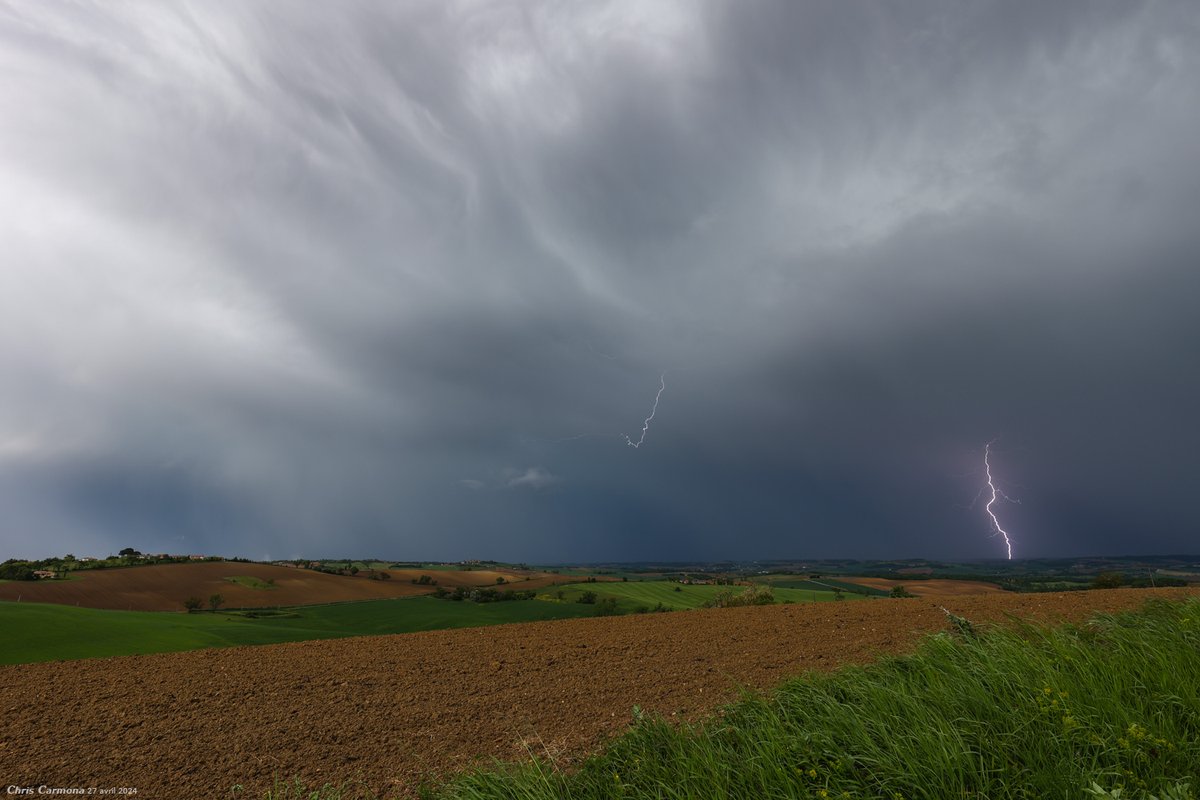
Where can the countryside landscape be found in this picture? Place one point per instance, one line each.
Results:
(506, 661)
(603, 400)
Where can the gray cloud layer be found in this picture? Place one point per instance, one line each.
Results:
(396, 279)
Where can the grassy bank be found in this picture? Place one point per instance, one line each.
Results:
(1111, 707)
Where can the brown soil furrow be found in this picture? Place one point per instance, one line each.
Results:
(395, 709)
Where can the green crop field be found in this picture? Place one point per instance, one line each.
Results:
(43, 632)
(634, 594)
(820, 584)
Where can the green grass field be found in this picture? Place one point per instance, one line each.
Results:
(820, 584)
(634, 594)
(43, 632)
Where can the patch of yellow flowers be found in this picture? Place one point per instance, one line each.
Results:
(812, 774)
(1136, 738)
(1054, 703)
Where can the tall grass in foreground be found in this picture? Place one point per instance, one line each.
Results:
(1109, 709)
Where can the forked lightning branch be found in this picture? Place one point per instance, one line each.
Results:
(653, 410)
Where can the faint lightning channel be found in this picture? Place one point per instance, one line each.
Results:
(996, 495)
(646, 424)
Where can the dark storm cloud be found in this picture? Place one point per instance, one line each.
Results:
(396, 280)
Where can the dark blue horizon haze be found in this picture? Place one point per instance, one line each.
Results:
(397, 279)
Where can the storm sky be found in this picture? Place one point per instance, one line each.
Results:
(396, 279)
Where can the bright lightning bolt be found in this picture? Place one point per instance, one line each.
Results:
(996, 494)
(646, 424)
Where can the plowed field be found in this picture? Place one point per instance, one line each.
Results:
(163, 587)
(394, 709)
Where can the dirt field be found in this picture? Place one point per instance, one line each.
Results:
(933, 587)
(517, 580)
(163, 587)
(394, 709)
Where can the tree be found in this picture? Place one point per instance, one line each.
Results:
(755, 595)
(1108, 580)
(587, 598)
(129, 552)
(193, 604)
(500, 579)
(606, 607)
(13, 570)
(215, 601)
(900, 591)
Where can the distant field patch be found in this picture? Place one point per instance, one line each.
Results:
(451, 575)
(819, 584)
(1177, 573)
(467, 579)
(1059, 586)
(636, 595)
(934, 587)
